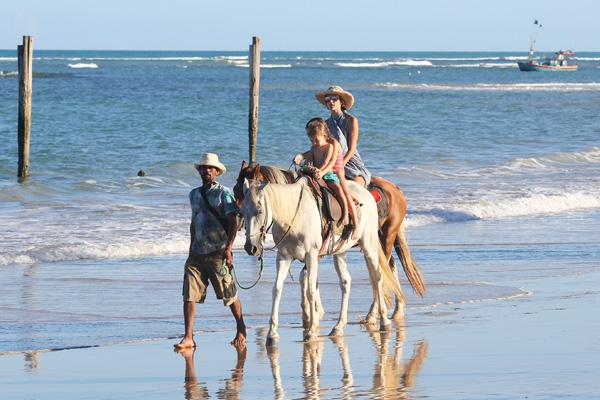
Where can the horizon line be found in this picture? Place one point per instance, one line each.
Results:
(311, 51)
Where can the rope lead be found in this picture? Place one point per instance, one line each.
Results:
(237, 282)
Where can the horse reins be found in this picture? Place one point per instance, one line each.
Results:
(263, 233)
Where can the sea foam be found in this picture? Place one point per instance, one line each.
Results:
(83, 65)
(105, 245)
(480, 65)
(535, 204)
(501, 87)
(382, 64)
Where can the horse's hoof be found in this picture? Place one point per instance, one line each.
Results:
(398, 316)
(336, 332)
(368, 322)
(385, 325)
(310, 337)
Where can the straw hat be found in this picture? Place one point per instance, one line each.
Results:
(211, 160)
(336, 91)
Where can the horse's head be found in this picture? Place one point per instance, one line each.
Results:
(256, 216)
(247, 171)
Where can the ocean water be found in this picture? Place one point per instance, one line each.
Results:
(485, 154)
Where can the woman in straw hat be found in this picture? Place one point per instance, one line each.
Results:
(343, 126)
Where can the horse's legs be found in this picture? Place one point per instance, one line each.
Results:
(369, 246)
(390, 229)
(304, 298)
(339, 261)
(389, 234)
(283, 266)
(312, 269)
(304, 301)
(371, 317)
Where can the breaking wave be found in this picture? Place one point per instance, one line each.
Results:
(505, 87)
(479, 65)
(73, 249)
(536, 204)
(83, 65)
(382, 64)
(266, 65)
(6, 74)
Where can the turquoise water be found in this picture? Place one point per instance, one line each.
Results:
(467, 136)
(474, 143)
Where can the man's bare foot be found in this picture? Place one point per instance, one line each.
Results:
(186, 343)
(240, 338)
(186, 352)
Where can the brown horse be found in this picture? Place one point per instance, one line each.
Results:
(391, 227)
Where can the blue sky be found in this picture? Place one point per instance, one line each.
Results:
(394, 25)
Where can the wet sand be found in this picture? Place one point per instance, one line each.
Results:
(505, 317)
(543, 346)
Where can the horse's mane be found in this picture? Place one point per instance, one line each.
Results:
(276, 175)
(284, 197)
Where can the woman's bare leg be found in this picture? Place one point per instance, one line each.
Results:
(349, 199)
(360, 180)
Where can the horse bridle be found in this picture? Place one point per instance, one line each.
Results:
(264, 229)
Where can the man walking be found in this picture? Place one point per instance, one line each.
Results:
(212, 233)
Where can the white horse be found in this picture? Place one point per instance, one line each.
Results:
(295, 218)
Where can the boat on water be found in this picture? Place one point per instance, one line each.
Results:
(559, 62)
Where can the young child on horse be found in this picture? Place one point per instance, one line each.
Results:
(325, 160)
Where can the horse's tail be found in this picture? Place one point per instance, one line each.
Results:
(411, 269)
(415, 363)
(389, 280)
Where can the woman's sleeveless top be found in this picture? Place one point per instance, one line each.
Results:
(355, 166)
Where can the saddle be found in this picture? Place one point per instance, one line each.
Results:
(380, 199)
(328, 204)
(331, 216)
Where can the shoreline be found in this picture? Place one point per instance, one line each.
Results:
(514, 319)
(515, 348)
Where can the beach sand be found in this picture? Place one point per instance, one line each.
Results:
(528, 331)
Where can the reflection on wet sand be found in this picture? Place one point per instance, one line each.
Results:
(273, 353)
(29, 299)
(32, 361)
(391, 377)
(348, 379)
(231, 387)
(260, 340)
(311, 368)
(193, 390)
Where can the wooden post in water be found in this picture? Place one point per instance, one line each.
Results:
(24, 53)
(254, 62)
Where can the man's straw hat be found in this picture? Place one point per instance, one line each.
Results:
(211, 160)
(346, 97)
